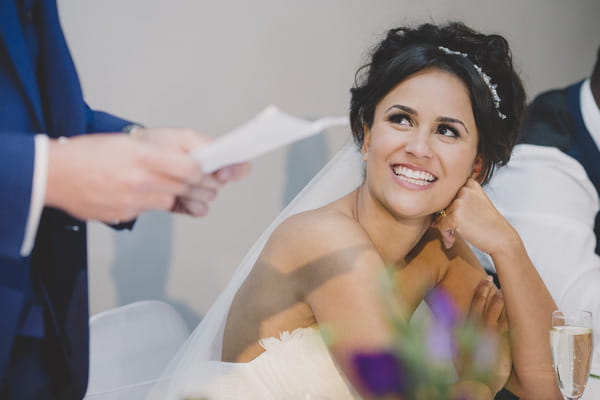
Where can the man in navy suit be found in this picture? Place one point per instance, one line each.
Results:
(54, 175)
(569, 119)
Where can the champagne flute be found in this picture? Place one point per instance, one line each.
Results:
(571, 344)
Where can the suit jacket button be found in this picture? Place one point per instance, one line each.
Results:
(74, 228)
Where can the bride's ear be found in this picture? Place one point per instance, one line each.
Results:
(366, 140)
(477, 169)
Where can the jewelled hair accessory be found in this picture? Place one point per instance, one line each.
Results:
(486, 78)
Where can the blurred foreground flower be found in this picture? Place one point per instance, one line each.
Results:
(381, 373)
(421, 364)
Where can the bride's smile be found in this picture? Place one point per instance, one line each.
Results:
(413, 175)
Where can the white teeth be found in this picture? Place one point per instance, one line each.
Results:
(415, 181)
(410, 175)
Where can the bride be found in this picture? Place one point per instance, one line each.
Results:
(432, 114)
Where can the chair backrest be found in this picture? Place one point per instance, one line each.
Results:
(129, 348)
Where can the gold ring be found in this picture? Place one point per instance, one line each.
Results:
(442, 213)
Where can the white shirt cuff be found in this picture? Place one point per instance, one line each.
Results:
(38, 192)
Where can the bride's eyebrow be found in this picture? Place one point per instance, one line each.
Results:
(403, 108)
(453, 120)
(416, 113)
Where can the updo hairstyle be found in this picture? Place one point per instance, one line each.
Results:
(406, 51)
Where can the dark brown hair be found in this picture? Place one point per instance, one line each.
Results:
(406, 51)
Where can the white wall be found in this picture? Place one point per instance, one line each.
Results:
(212, 65)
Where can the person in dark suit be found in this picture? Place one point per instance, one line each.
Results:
(569, 119)
(50, 186)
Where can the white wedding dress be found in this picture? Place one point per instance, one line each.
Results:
(297, 365)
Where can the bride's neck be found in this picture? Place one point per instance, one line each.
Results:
(393, 236)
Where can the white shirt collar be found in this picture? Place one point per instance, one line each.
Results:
(590, 111)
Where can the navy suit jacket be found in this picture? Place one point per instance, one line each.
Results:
(42, 296)
(555, 119)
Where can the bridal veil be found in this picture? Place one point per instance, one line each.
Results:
(339, 176)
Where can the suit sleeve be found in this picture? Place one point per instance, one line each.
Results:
(17, 155)
(17, 152)
(100, 121)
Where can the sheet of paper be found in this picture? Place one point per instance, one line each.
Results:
(269, 130)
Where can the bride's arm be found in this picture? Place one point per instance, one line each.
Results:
(343, 286)
(339, 276)
(528, 303)
(472, 293)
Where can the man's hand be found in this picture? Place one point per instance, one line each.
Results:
(116, 177)
(194, 201)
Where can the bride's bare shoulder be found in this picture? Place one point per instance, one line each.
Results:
(332, 223)
(313, 234)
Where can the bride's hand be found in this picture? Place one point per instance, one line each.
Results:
(488, 313)
(487, 307)
(473, 216)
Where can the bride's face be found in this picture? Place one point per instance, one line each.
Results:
(422, 145)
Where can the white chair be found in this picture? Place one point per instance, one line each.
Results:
(129, 348)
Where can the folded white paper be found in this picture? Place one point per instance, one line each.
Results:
(270, 129)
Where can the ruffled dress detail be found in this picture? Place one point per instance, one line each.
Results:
(295, 366)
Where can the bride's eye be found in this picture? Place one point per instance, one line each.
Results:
(401, 119)
(448, 131)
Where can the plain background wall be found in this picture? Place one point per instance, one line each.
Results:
(212, 65)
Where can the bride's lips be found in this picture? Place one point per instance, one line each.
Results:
(412, 176)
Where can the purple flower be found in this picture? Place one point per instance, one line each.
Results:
(380, 373)
(440, 343)
(442, 307)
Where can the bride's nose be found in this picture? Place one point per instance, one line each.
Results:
(418, 144)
